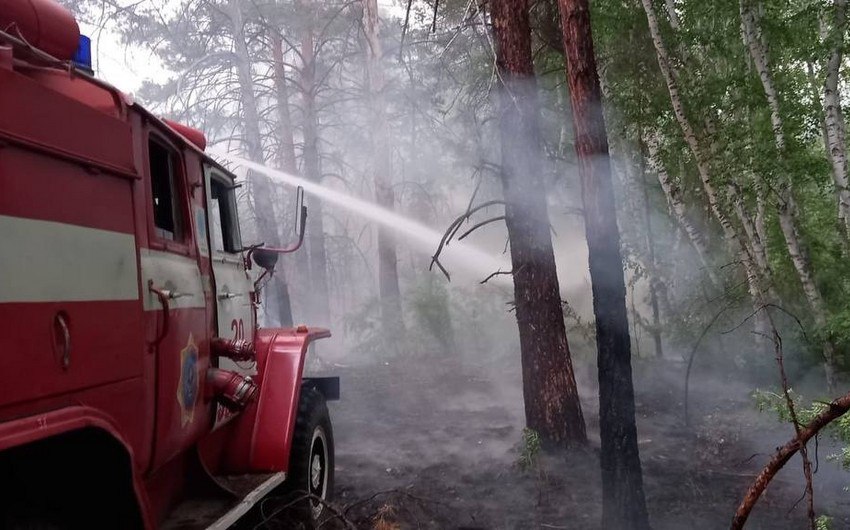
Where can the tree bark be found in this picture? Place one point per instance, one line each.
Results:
(623, 501)
(739, 246)
(834, 410)
(552, 406)
(673, 193)
(756, 244)
(834, 114)
(675, 23)
(261, 186)
(390, 294)
(286, 150)
(657, 288)
(287, 161)
(787, 206)
(315, 239)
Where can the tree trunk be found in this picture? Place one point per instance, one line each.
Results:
(287, 161)
(657, 288)
(787, 206)
(739, 246)
(391, 315)
(552, 406)
(834, 115)
(286, 150)
(675, 23)
(673, 193)
(315, 238)
(636, 193)
(756, 244)
(623, 502)
(261, 186)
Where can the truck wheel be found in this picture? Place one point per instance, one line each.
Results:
(311, 461)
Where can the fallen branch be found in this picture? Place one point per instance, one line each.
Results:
(337, 514)
(835, 410)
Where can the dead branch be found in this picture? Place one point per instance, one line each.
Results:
(792, 410)
(434, 21)
(497, 273)
(452, 230)
(479, 225)
(337, 514)
(835, 410)
(693, 355)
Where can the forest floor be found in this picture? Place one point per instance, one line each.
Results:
(438, 448)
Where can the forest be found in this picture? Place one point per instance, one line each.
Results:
(585, 261)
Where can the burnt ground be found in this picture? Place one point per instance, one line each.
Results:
(438, 448)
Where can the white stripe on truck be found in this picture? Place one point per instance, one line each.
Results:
(45, 261)
(177, 274)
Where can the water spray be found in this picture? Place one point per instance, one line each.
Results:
(427, 239)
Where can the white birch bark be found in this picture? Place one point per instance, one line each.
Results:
(786, 208)
(672, 14)
(673, 193)
(757, 246)
(834, 115)
(739, 246)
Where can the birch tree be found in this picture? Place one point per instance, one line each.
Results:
(737, 244)
(787, 203)
(834, 114)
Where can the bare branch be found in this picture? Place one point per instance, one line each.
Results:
(493, 275)
(479, 225)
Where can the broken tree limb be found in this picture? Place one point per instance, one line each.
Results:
(479, 225)
(834, 410)
(454, 227)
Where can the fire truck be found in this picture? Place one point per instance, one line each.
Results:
(136, 388)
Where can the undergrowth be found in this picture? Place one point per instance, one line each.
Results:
(770, 401)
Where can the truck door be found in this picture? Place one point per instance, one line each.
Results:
(174, 300)
(233, 286)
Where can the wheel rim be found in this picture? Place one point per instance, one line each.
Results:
(318, 471)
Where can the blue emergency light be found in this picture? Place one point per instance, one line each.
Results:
(82, 57)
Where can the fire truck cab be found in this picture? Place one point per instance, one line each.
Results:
(136, 388)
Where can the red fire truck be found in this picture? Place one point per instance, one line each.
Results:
(136, 388)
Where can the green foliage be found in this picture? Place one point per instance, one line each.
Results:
(824, 522)
(529, 449)
(429, 303)
(839, 429)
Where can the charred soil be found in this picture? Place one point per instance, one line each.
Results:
(439, 448)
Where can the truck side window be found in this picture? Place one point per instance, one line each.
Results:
(223, 220)
(164, 190)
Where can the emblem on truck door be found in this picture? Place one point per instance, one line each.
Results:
(187, 388)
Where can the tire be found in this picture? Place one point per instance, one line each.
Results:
(311, 461)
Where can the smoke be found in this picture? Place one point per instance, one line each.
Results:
(435, 412)
(421, 237)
